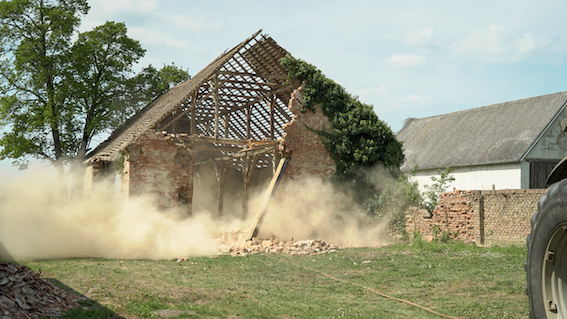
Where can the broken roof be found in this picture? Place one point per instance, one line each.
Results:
(241, 95)
(499, 133)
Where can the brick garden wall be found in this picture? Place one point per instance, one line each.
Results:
(156, 166)
(499, 217)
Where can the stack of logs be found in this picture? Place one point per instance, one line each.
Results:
(232, 244)
(24, 295)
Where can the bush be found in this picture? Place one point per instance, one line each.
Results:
(434, 190)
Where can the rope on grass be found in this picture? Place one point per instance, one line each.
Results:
(376, 292)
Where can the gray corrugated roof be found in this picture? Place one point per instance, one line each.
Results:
(499, 133)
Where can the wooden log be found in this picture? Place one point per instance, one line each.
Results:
(270, 192)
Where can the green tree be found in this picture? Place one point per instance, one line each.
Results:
(35, 37)
(56, 95)
(146, 86)
(101, 64)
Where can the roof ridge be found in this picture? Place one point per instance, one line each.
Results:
(498, 133)
(487, 106)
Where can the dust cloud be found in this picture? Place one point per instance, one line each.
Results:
(314, 209)
(38, 220)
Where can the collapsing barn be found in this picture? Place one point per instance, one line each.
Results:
(219, 135)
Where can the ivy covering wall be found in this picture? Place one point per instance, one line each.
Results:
(359, 138)
(358, 141)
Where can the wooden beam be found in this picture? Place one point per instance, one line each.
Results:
(255, 151)
(193, 115)
(206, 147)
(221, 168)
(250, 165)
(216, 99)
(248, 116)
(261, 97)
(228, 141)
(189, 109)
(226, 121)
(260, 84)
(270, 192)
(272, 106)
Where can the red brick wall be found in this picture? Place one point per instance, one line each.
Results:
(309, 157)
(484, 217)
(155, 165)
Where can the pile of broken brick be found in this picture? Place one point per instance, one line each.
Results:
(24, 295)
(233, 244)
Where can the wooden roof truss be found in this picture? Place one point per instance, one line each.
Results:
(242, 105)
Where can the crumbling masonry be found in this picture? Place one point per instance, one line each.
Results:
(499, 217)
(219, 135)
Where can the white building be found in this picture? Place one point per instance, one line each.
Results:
(511, 145)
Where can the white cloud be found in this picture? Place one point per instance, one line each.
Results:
(192, 23)
(499, 44)
(419, 36)
(404, 60)
(128, 6)
(157, 38)
(414, 37)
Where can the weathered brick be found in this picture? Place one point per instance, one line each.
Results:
(503, 219)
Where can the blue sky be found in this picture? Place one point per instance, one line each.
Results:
(406, 58)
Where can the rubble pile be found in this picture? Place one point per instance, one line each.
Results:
(233, 244)
(24, 295)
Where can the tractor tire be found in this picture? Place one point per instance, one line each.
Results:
(546, 263)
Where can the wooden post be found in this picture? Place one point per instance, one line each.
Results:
(250, 165)
(226, 121)
(207, 128)
(193, 118)
(272, 106)
(248, 116)
(221, 169)
(217, 104)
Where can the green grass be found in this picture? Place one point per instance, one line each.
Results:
(450, 278)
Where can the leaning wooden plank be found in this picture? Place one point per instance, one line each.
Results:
(257, 223)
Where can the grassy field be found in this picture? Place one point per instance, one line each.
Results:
(452, 279)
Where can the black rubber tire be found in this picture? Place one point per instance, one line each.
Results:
(546, 263)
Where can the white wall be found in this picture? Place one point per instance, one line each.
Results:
(552, 144)
(502, 176)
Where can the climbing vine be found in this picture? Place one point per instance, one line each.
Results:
(359, 139)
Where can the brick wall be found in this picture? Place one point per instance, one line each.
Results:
(484, 217)
(309, 157)
(155, 165)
